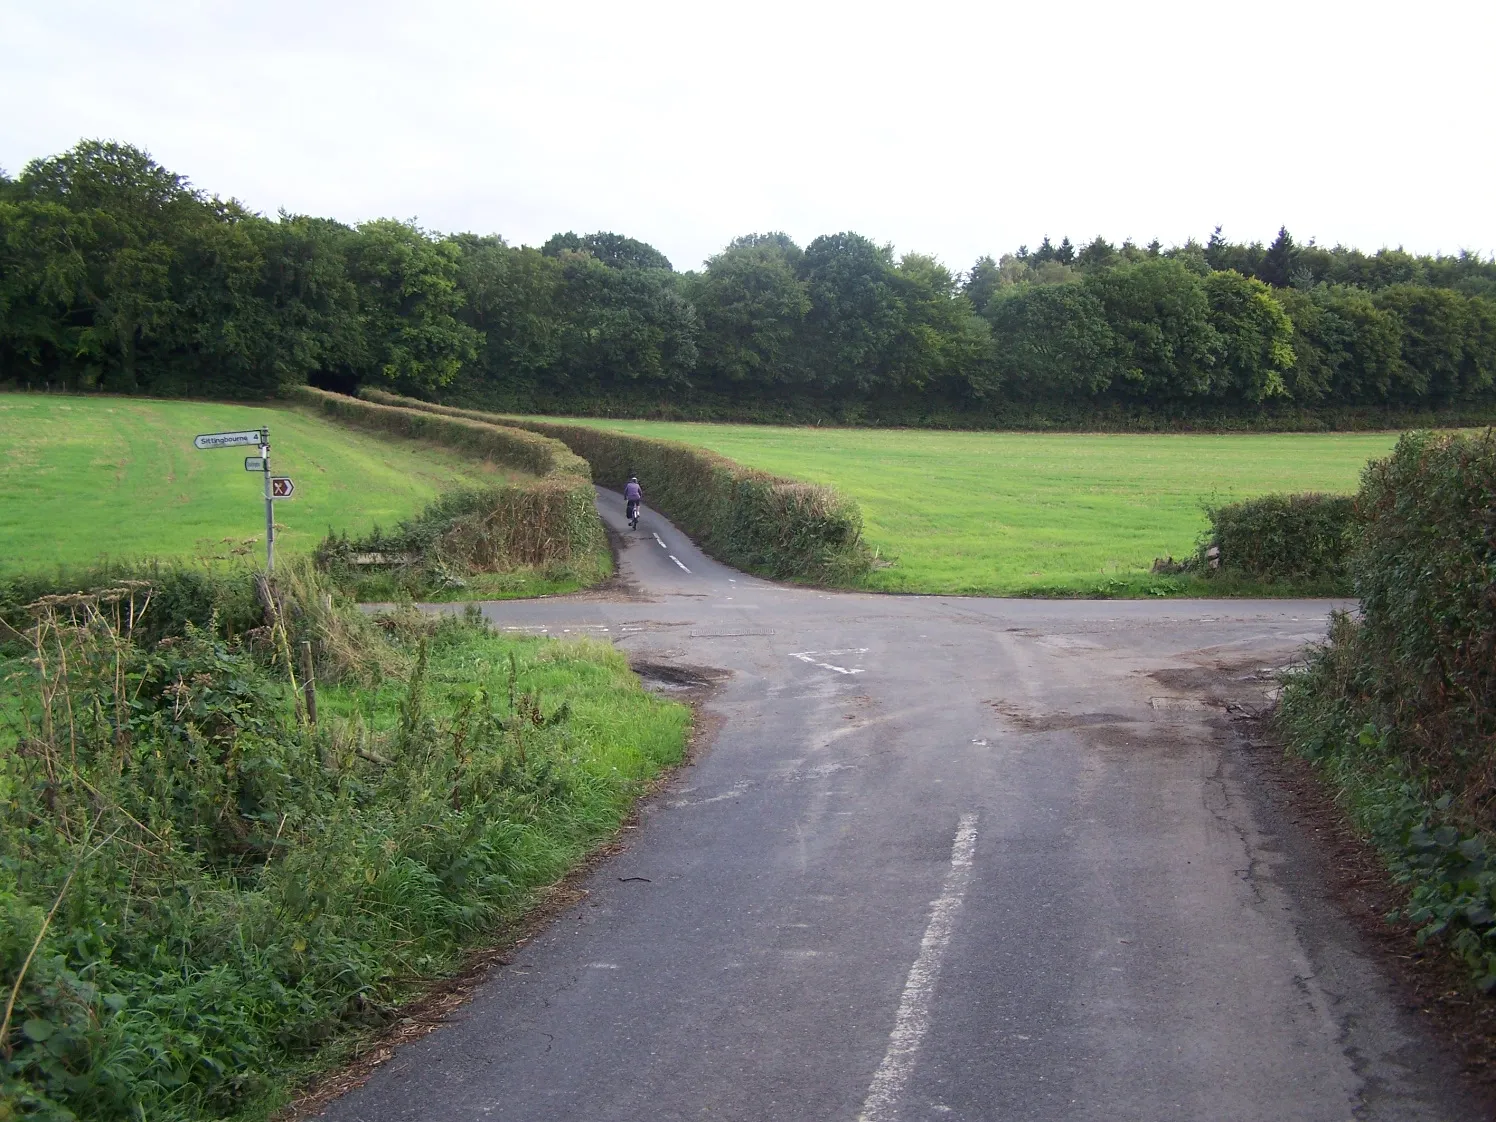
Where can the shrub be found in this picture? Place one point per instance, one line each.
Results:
(761, 523)
(1426, 574)
(1285, 537)
(1399, 706)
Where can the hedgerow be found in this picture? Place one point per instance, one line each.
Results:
(551, 521)
(1399, 705)
(1302, 538)
(761, 523)
(490, 438)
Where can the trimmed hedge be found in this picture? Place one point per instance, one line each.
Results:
(553, 519)
(1399, 706)
(1304, 537)
(486, 530)
(1426, 574)
(761, 523)
(486, 437)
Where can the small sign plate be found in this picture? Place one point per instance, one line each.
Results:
(226, 439)
(281, 487)
(254, 463)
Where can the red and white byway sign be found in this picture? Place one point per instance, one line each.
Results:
(281, 487)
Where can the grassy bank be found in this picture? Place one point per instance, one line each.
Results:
(88, 477)
(1014, 513)
(207, 896)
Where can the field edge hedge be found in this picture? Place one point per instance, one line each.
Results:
(1397, 707)
(551, 520)
(1301, 538)
(781, 528)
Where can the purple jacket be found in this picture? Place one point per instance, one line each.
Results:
(632, 493)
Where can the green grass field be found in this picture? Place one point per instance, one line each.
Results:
(88, 478)
(1005, 513)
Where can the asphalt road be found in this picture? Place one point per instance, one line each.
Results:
(946, 859)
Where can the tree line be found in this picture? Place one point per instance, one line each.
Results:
(117, 275)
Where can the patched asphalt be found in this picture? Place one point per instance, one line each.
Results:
(797, 930)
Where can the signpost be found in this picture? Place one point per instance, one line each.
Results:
(229, 439)
(276, 487)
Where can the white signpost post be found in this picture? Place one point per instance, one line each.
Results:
(276, 487)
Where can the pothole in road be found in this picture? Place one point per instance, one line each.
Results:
(675, 678)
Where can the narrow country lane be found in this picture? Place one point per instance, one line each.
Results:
(946, 859)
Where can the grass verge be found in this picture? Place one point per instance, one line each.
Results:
(205, 897)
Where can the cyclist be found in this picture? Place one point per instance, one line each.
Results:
(633, 495)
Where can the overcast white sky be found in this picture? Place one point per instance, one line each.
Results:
(943, 127)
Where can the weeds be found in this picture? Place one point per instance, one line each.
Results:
(201, 891)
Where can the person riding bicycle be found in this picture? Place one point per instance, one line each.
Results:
(633, 495)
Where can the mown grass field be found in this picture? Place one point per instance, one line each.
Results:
(1023, 513)
(88, 478)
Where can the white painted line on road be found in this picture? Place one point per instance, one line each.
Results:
(661, 541)
(804, 656)
(912, 1022)
(676, 559)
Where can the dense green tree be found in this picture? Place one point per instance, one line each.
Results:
(982, 283)
(1279, 262)
(1052, 342)
(510, 297)
(1160, 315)
(942, 343)
(1099, 254)
(623, 327)
(613, 250)
(408, 304)
(1346, 349)
(855, 312)
(1256, 348)
(319, 331)
(1445, 343)
(752, 304)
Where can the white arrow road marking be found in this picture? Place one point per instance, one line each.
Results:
(676, 559)
(805, 656)
(912, 1021)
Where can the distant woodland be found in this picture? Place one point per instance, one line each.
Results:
(117, 275)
